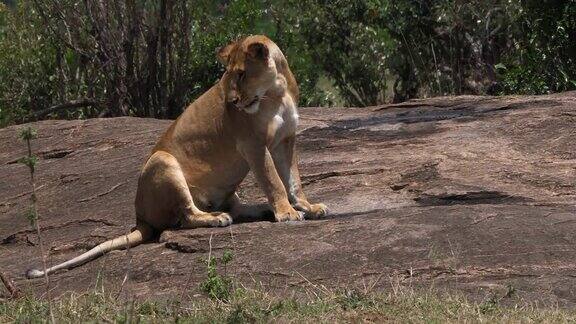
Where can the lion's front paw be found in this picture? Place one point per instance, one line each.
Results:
(289, 215)
(316, 211)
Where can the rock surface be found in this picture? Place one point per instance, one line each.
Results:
(473, 194)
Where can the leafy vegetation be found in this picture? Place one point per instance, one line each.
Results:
(78, 59)
(544, 58)
(217, 286)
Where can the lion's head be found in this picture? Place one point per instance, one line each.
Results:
(251, 72)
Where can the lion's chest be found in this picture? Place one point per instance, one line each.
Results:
(283, 123)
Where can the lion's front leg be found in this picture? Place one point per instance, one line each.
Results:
(286, 162)
(262, 165)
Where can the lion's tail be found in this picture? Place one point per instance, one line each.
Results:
(143, 232)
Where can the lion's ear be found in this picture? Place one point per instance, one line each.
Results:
(258, 51)
(224, 53)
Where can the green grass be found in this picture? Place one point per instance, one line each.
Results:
(255, 306)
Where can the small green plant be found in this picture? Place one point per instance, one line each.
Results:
(352, 299)
(510, 291)
(240, 315)
(218, 286)
(28, 134)
(489, 306)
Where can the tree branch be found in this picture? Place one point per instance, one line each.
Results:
(67, 105)
(12, 289)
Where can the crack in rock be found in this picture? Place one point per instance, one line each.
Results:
(48, 155)
(15, 237)
(443, 272)
(55, 154)
(184, 248)
(468, 198)
(102, 193)
(312, 178)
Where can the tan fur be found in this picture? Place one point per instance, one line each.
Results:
(247, 121)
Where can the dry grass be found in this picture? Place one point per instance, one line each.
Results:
(255, 306)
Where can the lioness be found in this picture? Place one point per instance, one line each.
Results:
(247, 121)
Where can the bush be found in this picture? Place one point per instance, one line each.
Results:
(27, 70)
(78, 59)
(544, 56)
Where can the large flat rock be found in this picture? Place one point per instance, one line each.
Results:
(473, 194)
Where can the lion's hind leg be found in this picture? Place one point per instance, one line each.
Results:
(166, 199)
(203, 219)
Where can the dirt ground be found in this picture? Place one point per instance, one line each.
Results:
(471, 194)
